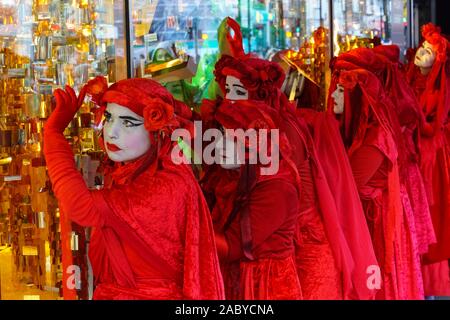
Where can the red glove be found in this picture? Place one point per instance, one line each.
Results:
(67, 105)
(73, 196)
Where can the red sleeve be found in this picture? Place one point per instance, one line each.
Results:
(222, 246)
(271, 203)
(70, 189)
(365, 162)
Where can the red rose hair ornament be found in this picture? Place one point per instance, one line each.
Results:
(147, 98)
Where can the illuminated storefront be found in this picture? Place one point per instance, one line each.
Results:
(47, 44)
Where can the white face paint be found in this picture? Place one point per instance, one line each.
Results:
(226, 150)
(235, 90)
(125, 136)
(338, 97)
(425, 56)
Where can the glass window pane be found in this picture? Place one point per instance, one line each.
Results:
(369, 22)
(45, 45)
(165, 32)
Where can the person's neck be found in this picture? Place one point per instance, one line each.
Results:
(425, 71)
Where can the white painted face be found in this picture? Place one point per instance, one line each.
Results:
(425, 56)
(235, 90)
(125, 136)
(226, 151)
(338, 97)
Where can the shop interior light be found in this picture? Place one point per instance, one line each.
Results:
(86, 32)
(6, 160)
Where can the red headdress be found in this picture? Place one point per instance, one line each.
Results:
(147, 98)
(360, 58)
(248, 114)
(432, 34)
(434, 99)
(397, 87)
(263, 79)
(401, 106)
(363, 92)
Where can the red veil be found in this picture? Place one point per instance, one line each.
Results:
(131, 257)
(344, 199)
(433, 92)
(263, 79)
(405, 118)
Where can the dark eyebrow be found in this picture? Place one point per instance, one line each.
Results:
(129, 118)
(239, 86)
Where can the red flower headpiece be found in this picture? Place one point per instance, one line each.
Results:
(260, 77)
(144, 97)
(432, 34)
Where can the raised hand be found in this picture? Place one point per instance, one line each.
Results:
(67, 105)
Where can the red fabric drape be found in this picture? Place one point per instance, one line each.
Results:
(339, 178)
(162, 216)
(366, 122)
(433, 92)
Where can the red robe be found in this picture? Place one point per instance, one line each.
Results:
(434, 165)
(323, 258)
(371, 142)
(404, 116)
(433, 92)
(401, 274)
(153, 235)
(345, 199)
(317, 267)
(434, 149)
(406, 105)
(259, 263)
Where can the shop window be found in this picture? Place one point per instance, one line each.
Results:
(44, 45)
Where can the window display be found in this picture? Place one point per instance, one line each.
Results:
(184, 35)
(367, 23)
(48, 44)
(44, 45)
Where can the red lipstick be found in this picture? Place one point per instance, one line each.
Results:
(112, 147)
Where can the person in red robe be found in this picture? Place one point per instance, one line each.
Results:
(336, 174)
(364, 111)
(153, 236)
(254, 214)
(402, 110)
(393, 76)
(328, 267)
(429, 75)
